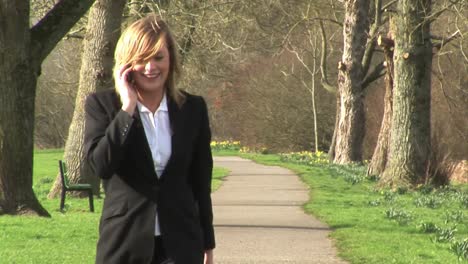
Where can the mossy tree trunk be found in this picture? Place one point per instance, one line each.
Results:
(103, 30)
(410, 132)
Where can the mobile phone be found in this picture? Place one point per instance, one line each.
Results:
(130, 77)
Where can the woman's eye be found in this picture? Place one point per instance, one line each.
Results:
(159, 57)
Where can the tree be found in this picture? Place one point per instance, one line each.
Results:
(312, 72)
(410, 132)
(379, 158)
(102, 32)
(138, 8)
(350, 133)
(56, 93)
(23, 50)
(381, 152)
(354, 77)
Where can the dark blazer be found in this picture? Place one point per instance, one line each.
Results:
(118, 152)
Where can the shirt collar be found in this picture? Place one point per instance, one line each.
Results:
(162, 106)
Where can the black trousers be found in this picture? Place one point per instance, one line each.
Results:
(159, 253)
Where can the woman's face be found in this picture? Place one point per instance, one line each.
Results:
(151, 76)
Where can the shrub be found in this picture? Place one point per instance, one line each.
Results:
(353, 178)
(428, 227)
(425, 189)
(374, 202)
(226, 145)
(464, 201)
(429, 202)
(460, 248)
(389, 196)
(445, 234)
(373, 178)
(401, 216)
(454, 216)
(306, 157)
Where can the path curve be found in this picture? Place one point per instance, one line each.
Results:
(258, 218)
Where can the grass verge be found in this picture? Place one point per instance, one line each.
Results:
(383, 226)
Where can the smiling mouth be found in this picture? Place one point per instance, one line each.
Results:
(152, 75)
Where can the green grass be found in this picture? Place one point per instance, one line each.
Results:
(65, 237)
(356, 212)
(218, 175)
(362, 232)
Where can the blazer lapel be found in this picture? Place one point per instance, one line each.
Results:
(175, 119)
(143, 144)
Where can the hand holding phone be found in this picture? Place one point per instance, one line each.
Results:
(127, 90)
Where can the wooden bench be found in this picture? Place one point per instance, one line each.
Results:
(66, 186)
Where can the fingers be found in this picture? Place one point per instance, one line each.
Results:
(126, 89)
(124, 81)
(208, 259)
(124, 73)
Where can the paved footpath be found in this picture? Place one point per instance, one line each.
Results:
(258, 218)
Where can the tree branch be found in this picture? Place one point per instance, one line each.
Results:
(369, 52)
(445, 41)
(54, 25)
(187, 41)
(385, 7)
(323, 64)
(78, 34)
(436, 15)
(299, 58)
(377, 72)
(329, 20)
(386, 43)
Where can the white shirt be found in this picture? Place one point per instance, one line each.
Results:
(157, 128)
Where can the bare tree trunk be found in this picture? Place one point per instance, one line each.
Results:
(331, 151)
(314, 111)
(410, 132)
(16, 122)
(350, 130)
(380, 156)
(22, 51)
(16, 140)
(103, 30)
(312, 92)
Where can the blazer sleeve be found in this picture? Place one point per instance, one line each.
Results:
(202, 167)
(105, 136)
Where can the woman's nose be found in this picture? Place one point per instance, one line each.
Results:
(150, 65)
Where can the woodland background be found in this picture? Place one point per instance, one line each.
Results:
(378, 80)
(243, 61)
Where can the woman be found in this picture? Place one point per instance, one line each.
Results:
(150, 143)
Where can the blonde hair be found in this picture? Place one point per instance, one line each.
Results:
(140, 42)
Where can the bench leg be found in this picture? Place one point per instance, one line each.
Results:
(91, 202)
(62, 200)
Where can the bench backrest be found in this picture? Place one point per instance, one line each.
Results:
(63, 174)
